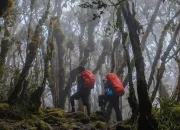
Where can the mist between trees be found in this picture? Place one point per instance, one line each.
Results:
(43, 42)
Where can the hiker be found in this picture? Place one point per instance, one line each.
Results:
(112, 94)
(85, 82)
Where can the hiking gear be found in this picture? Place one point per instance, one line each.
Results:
(88, 79)
(116, 84)
(110, 92)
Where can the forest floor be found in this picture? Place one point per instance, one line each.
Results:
(17, 118)
(51, 119)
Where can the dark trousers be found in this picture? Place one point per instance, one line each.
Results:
(113, 102)
(84, 96)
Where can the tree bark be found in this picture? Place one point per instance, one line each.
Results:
(59, 37)
(145, 121)
(37, 94)
(145, 36)
(5, 43)
(132, 97)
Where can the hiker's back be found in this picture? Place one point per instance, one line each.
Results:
(88, 79)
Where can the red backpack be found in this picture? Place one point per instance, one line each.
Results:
(116, 84)
(88, 78)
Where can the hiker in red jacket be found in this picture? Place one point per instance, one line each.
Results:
(83, 88)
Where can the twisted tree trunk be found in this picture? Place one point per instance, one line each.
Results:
(145, 120)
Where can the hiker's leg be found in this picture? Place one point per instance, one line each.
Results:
(117, 109)
(85, 100)
(75, 96)
(88, 108)
(109, 111)
(102, 99)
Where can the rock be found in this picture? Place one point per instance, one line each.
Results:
(99, 116)
(100, 125)
(4, 109)
(79, 117)
(55, 112)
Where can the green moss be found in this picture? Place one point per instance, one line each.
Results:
(98, 116)
(4, 106)
(175, 113)
(31, 123)
(3, 126)
(55, 112)
(169, 116)
(79, 117)
(65, 126)
(4, 109)
(54, 120)
(100, 125)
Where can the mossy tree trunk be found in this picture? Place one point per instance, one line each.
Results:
(5, 44)
(37, 94)
(59, 36)
(32, 50)
(132, 97)
(145, 120)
